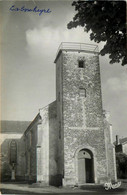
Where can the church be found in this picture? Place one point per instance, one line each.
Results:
(70, 140)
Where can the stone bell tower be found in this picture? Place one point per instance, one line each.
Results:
(84, 137)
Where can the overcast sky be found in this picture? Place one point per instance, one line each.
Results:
(29, 46)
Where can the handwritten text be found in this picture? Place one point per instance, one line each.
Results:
(109, 185)
(35, 9)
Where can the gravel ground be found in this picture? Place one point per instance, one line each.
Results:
(18, 188)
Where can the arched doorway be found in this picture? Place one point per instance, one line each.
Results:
(85, 167)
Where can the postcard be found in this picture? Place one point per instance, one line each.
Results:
(63, 96)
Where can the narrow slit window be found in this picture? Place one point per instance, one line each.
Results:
(30, 138)
(59, 130)
(82, 92)
(59, 96)
(81, 64)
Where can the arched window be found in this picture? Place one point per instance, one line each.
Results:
(13, 152)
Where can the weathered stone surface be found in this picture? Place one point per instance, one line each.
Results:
(12, 131)
(81, 117)
(72, 124)
(49, 144)
(6, 167)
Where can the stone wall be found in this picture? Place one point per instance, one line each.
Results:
(53, 145)
(41, 146)
(59, 100)
(124, 148)
(80, 109)
(110, 152)
(21, 162)
(12, 131)
(6, 167)
(30, 137)
(75, 79)
(49, 145)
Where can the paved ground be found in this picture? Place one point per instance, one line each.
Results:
(18, 188)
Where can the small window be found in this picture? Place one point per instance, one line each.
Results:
(81, 64)
(82, 92)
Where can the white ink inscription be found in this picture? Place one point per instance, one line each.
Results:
(109, 185)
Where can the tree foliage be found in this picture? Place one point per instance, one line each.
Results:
(121, 164)
(107, 22)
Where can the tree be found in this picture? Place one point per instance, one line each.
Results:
(107, 21)
(121, 165)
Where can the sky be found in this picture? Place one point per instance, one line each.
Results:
(29, 44)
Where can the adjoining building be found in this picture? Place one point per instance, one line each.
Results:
(12, 148)
(121, 144)
(70, 140)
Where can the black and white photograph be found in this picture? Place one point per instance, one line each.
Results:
(63, 108)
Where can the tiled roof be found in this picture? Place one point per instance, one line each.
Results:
(122, 140)
(14, 126)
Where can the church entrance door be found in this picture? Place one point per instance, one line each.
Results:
(85, 167)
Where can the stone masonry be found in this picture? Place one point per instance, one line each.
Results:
(70, 141)
(79, 106)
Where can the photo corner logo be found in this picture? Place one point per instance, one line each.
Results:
(109, 185)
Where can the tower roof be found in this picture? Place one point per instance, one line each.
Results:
(80, 47)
